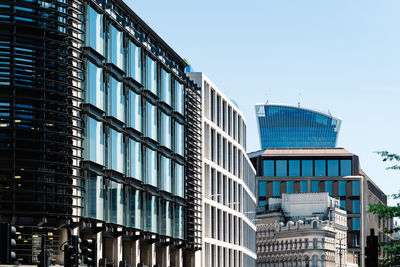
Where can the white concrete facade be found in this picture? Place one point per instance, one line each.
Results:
(229, 203)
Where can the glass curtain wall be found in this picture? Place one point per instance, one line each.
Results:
(94, 31)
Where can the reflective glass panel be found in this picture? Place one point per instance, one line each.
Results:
(115, 48)
(179, 222)
(262, 188)
(307, 168)
(356, 224)
(345, 167)
(135, 62)
(136, 206)
(356, 206)
(152, 214)
(179, 98)
(166, 174)
(320, 168)
(151, 121)
(95, 141)
(151, 167)
(179, 139)
(179, 180)
(116, 151)
(333, 167)
(276, 188)
(268, 168)
(94, 30)
(262, 203)
(294, 168)
(135, 111)
(342, 188)
(95, 196)
(328, 187)
(355, 188)
(151, 75)
(343, 204)
(116, 100)
(290, 187)
(281, 168)
(303, 187)
(116, 202)
(165, 134)
(94, 86)
(314, 186)
(165, 87)
(135, 159)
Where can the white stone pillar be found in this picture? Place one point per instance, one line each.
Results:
(136, 253)
(99, 243)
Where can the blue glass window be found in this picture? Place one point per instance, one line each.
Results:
(136, 209)
(262, 203)
(151, 75)
(152, 214)
(328, 187)
(343, 204)
(115, 151)
(135, 62)
(276, 188)
(342, 188)
(166, 174)
(314, 186)
(290, 187)
(115, 202)
(179, 222)
(356, 206)
(355, 185)
(151, 121)
(116, 48)
(179, 139)
(345, 167)
(333, 167)
(281, 168)
(165, 87)
(179, 180)
(135, 159)
(94, 30)
(94, 86)
(151, 167)
(95, 196)
(165, 135)
(262, 188)
(356, 224)
(179, 98)
(294, 168)
(306, 168)
(303, 187)
(135, 111)
(268, 168)
(320, 168)
(116, 100)
(95, 141)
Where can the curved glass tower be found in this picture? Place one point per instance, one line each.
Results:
(284, 126)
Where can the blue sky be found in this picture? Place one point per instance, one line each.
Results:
(342, 56)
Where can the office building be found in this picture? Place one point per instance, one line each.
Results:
(305, 229)
(100, 133)
(332, 170)
(284, 126)
(229, 203)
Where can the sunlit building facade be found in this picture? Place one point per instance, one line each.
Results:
(284, 126)
(229, 203)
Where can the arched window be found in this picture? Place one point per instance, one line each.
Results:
(314, 225)
(314, 261)
(323, 261)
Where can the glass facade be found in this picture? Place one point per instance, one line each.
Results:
(282, 126)
(116, 48)
(116, 100)
(95, 86)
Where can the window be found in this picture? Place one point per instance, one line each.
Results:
(166, 174)
(314, 186)
(342, 188)
(165, 87)
(345, 167)
(290, 187)
(116, 101)
(179, 180)
(303, 187)
(281, 168)
(135, 111)
(328, 187)
(95, 141)
(307, 168)
(94, 30)
(333, 167)
(320, 168)
(94, 196)
(268, 168)
(315, 243)
(343, 204)
(151, 121)
(179, 139)
(294, 168)
(151, 167)
(276, 188)
(115, 202)
(356, 206)
(135, 159)
(151, 75)
(152, 213)
(135, 62)
(165, 130)
(136, 209)
(262, 203)
(94, 86)
(179, 98)
(115, 48)
(115, 151)
(262, 188)
(179, 222)
(356, 224)
(355, 185)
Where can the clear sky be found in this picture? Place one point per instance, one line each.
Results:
(341, 55)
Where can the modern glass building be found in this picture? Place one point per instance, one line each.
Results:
(100, 133)
(332, 170)
(284, 126)
(229, 202)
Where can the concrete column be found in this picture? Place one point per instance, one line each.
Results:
(118, 250)
(167, 257)
(136, 253)
(153, 254)
(99, 242)
(179, 260)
